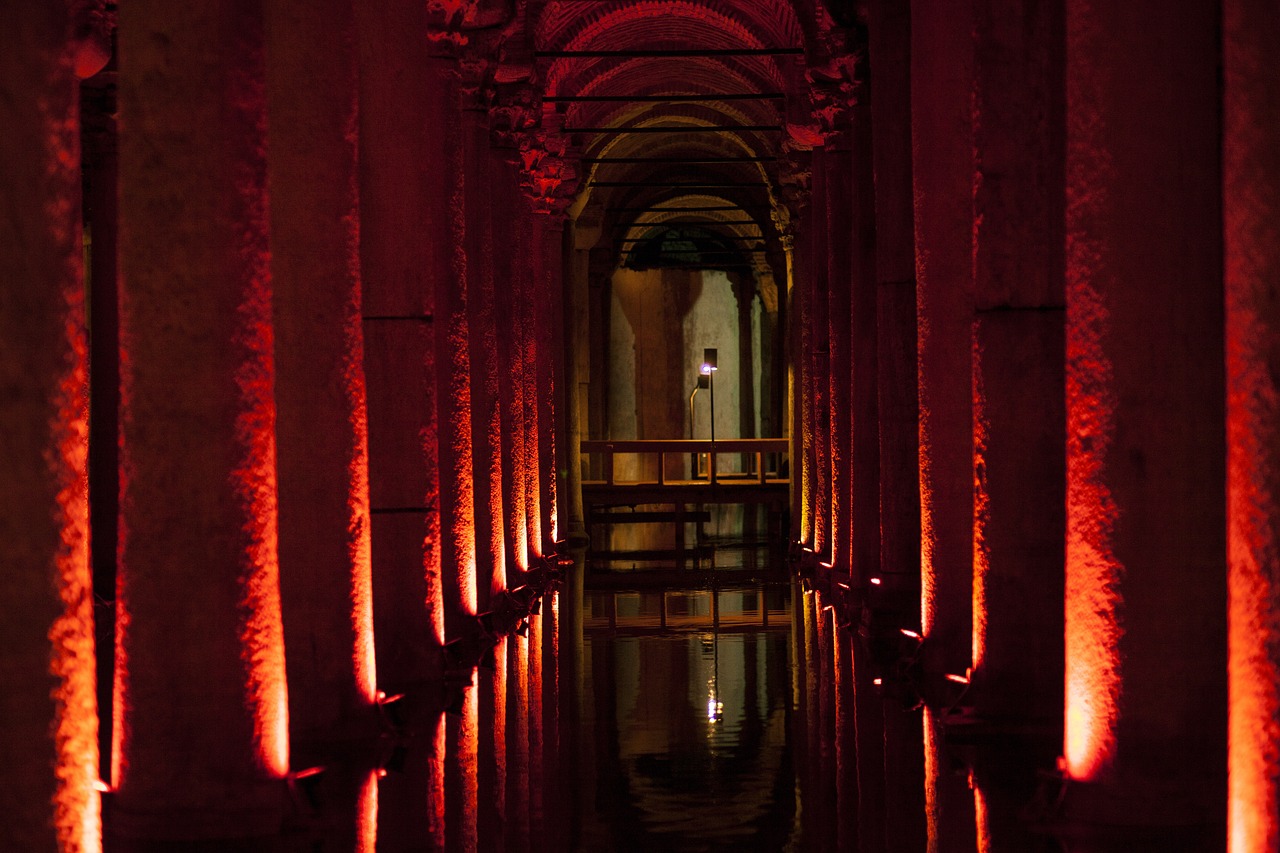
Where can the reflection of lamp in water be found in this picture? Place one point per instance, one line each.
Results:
(715, 708)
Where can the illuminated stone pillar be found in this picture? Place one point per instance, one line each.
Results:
(510, 248)
(486, 420)
(864, 320)
(889, 48)
(49, 738)
(578, 392)
(404, 259)
(201, 702)
(1146, 518)
(941, 70)
(526, 225)
(548, 303)
(321, 422)
(819, 361)
(802, 460)
(837, 178)
(1018, 399)
(98, 133)
(453, 360)
(1252, 207)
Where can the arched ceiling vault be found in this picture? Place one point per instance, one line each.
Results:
(645, 115)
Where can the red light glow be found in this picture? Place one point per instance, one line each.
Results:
(1251, 199)
(981, 823)
(981, 508)
(367, 815)
(1093, 572)
(359, 540)
(76, 803)
(931, 780)
(253, 480)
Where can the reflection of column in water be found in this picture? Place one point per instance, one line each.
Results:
(518, 746)
(949, 803)
(461, 784)
(846, 781)
(367, 814)
(811, 780)
(491, 772)
(537, 827)
(435, 790)
(871, 734)
(826, 739)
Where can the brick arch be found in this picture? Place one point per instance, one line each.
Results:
(579, 25)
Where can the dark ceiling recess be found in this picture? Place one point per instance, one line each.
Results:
(685, 248)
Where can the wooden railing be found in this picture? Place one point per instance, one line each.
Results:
(765, 458)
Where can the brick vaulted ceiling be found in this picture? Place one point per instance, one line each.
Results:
(625, 111)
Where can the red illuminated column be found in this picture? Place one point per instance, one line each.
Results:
(547, 300)
(1146, 521)
(404, 247)
(529, 281)
(486, 421)
(802, 461)
(510, 249)
(839, 236)
(889, 47)
(941, 64)
(49, 738)
(453, 366)
(1019, 419)
(321, 422)
(578, 382)
(1251, 210)
(201, 700)
(864, 394)
(819, 387)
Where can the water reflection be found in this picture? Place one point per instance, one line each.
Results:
(688, 716)
(747, 715)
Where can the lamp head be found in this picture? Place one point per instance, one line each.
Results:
(709, 360)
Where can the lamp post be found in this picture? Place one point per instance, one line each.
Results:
(704, 381)
(709, 369)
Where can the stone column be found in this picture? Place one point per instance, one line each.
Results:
(1019, 417)
(819, 361)
(99, 161)
(403, 256)
(941, 71)
(578, 391)
(864, 395)
(802, 462)
(49, 738)
(202, 707)
(510, 291)
(322, 418)
(1251, 210)
(889, 48)
(548, 305)
(837, 178)
(453, 359)
(1146, 518)
(486, 420)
